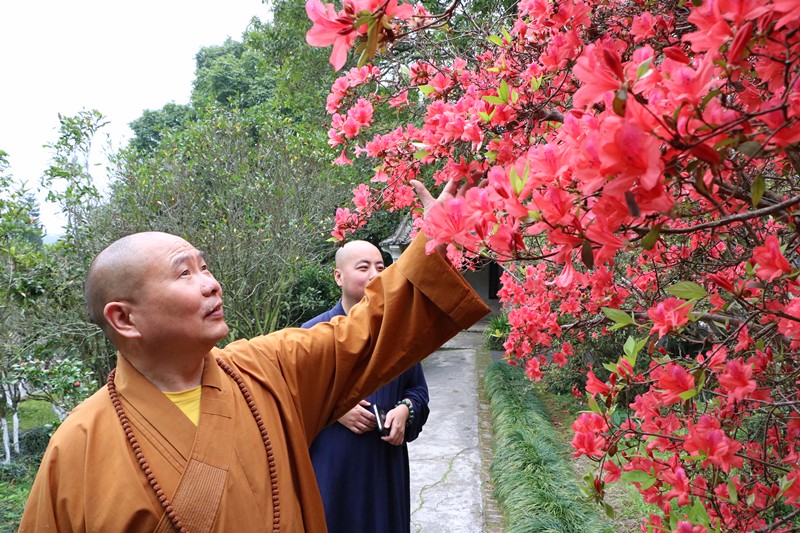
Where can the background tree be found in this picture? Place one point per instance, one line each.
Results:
(22, 282)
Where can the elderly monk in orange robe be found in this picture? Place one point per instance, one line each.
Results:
(189, 437)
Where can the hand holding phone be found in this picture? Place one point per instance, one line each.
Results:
(380, 420)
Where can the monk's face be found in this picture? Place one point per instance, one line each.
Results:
(180, 302)
(361, 262)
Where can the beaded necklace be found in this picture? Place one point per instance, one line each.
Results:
(151, 478)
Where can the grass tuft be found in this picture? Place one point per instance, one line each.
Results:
(534, 483)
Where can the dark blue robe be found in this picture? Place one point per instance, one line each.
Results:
(364, 481)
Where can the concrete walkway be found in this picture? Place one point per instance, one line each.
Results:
(450, 489)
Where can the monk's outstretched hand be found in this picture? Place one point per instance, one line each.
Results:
(451, 190)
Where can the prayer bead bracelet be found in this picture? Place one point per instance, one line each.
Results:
(410, 410)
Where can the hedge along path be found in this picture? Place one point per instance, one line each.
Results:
(534, 483)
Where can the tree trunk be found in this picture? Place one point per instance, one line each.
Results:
(15, 429)
(6, 447)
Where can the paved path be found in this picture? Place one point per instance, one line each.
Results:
(448, 462)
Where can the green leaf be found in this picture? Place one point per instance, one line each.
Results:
(487, 117)
(643, 69)
(700, 457)
(732, 494)
(700, 376)
(688, 395)
(494, 99)
(749, 148)
(698, 514)
(502, 91)
(593, 404)
(507, 36)
(426, 89)
(652, 237)
(646, 479)
(727, 141)
(609, 511)
(421, 154)
(687, 290)
(629, 347)
(618, 316)
(495, 39)
(757, 189)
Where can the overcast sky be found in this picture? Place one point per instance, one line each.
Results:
(119, 57)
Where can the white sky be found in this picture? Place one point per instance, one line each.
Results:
(119, 57)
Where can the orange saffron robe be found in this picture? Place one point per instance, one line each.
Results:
(301, 381)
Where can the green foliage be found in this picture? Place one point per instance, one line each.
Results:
(496, 331)
(230, 75)
(67, 179)
(12, 501)
(17, 476)
(380, 226)
(33, 442)
(595, 352)
(64, 382)
(314, 292)
(534, 484)
(153, 125)
(302, 76)
(35, 413)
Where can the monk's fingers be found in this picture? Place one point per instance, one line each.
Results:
(424, 195)
(452, 188)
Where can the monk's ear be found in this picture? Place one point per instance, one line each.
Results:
(120, 317)
(337, 275)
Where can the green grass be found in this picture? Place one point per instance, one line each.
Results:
(35, 413)
(534, 482)
(12, 501)
(16, 478)
(626, 500)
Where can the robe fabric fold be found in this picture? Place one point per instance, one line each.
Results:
(364, 482)
(300, 380)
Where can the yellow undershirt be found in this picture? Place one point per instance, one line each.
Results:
(187, 401)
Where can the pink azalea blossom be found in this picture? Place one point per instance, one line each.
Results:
(737, 379)
(770, 262)
(331, 28)
(343, 159)
(668, 315)
(674, 381)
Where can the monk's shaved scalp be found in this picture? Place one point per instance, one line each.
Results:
(351, 250)
(115, 275)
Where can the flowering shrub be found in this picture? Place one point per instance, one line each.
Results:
(64, 383)
(639, 165)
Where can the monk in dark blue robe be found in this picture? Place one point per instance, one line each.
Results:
(363, 477)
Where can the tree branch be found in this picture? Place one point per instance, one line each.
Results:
(736, 218)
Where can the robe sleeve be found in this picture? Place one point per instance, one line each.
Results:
(408, 312)
(416, 390)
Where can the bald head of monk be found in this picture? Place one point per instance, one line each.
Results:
(113, 275)
(154, 290)
(357, 262)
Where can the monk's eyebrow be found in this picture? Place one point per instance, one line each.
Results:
(367, 262)
(185, 257)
